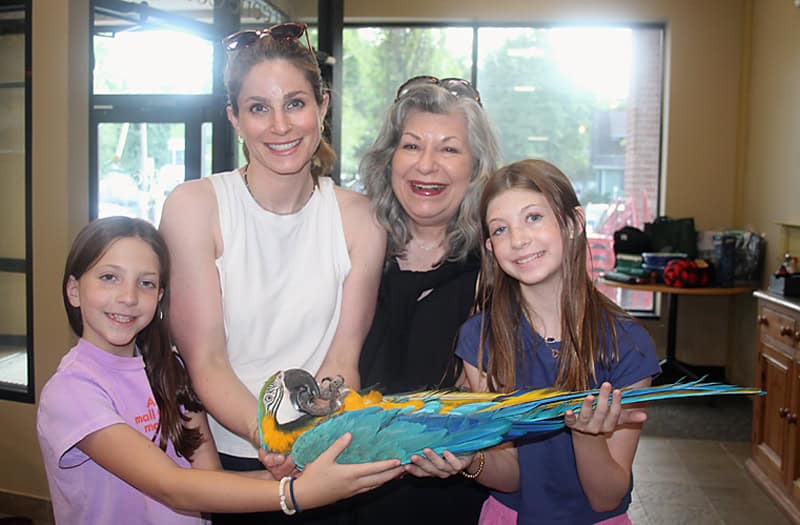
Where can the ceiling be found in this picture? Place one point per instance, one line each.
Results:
(123, 14)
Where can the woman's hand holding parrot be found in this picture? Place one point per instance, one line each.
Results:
(325, 481)
(436, 466)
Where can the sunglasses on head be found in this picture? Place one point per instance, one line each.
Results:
(455, 86)
(285, 31)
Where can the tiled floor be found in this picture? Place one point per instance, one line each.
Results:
(693, 482)
(685, 481)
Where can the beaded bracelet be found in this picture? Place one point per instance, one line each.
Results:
(291, 493)
(285, 508)
(481, 464)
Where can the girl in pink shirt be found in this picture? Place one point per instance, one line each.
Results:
(123, 435)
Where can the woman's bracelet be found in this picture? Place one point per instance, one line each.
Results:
(291, 493)
(282, 496)
(481, 464)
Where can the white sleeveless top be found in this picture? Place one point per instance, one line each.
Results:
(281, 278)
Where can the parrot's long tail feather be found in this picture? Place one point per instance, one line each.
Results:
(398, 426)
(557, 405)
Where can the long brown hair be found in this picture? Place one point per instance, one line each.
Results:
(240, 62)
(587, 316)
(168, 378)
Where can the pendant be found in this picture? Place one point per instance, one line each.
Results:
(555, 352)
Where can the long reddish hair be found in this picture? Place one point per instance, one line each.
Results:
(587, 316)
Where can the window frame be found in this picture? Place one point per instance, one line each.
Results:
(655, 309)
(11, 391)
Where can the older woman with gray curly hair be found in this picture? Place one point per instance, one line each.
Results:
(424, 175)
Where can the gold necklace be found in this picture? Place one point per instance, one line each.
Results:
(250, 191)
(547, 340)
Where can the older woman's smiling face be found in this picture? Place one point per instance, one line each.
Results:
(432, 166)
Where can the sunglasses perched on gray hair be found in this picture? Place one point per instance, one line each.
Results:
(455, 86)
(285, 31)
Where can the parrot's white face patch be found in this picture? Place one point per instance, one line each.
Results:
(286, 412)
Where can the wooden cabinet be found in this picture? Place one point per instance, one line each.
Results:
(775, 458)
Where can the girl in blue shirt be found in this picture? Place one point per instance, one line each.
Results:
(544, 324)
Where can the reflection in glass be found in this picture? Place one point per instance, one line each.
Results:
(139, 164)
(152, 62)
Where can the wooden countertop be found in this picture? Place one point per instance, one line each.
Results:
(706, 290)
(789, 302)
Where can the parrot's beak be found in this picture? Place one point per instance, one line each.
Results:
(303, 388)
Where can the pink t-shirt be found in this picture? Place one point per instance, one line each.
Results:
(93, 389)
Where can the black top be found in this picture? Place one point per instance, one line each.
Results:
(417, 317)
(410, 346)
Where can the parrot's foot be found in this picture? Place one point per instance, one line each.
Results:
(331, 387)
(330, 390)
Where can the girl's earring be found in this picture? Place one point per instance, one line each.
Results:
(160, 313)
(241, 140)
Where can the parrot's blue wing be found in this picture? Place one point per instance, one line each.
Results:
(464, 422)
(398, 433)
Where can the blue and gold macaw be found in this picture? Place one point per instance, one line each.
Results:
(299, 416)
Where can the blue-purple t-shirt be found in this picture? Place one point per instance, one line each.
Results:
(550, 491)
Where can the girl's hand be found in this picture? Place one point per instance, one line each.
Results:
(603, 418)
(436, 466)
(324, 481)
(277, 464)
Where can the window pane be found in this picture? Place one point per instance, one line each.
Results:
(376, 61)
(15, 376)
(139, 164)
(588, 100)
(12, 168)
(13, 327)
(152, 62)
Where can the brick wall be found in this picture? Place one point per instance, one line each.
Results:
(643, 127)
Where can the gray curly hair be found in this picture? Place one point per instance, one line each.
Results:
(375, 169)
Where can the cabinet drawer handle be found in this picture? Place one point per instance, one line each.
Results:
(797, 335)
(791, 418)
(762, 320)
(783, 412)
(786, 330)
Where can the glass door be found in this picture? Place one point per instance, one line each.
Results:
(155, 106)
(139, 163)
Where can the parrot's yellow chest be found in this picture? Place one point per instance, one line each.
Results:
(279, 439)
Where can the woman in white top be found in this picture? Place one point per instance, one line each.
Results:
(274, 266)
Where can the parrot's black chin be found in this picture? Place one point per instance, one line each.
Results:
(302, 387)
